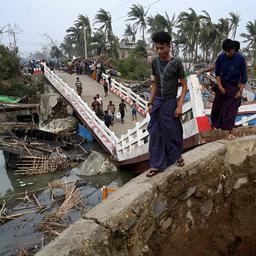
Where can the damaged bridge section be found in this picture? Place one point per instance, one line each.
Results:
(206, 207)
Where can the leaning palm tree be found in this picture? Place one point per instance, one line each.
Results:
(234, 23)
(138, 15)
(189, 24)
(157, 23)
(161, 23)
(207, 35)
(250, 38)
(104, 18)
(76, 34)
(224, 28)
(83, 22)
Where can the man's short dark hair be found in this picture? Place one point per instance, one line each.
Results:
(161, 37)
(236, 45)
(227, 45)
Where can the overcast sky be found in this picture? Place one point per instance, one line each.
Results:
(53, 17)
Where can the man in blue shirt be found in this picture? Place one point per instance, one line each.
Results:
(231, 75)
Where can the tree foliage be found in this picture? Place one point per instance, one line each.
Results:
(9, 63)
(195, 37)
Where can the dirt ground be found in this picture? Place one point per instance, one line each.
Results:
(230, 231)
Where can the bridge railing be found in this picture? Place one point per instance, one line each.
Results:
(105, 135)
(135, 143)
(129, 95)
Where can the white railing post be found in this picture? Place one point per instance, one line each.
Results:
(139, 132)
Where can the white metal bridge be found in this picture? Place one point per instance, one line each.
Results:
(133, 146)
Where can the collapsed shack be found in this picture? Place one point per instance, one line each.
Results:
(19, 112)
(28, 152)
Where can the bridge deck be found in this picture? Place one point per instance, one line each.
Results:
(90, 89)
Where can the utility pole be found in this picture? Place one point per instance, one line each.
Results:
(85, 44)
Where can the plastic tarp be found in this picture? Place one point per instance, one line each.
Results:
(85, 133)
(7, 99)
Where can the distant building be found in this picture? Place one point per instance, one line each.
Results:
(125, 50)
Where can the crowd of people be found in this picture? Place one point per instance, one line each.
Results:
(95, 71)
(109, 114)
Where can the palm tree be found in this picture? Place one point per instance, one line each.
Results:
(82, 23)
(99, 42)
(104, 18)
(207, 36)
(250, 38)
(130, 33)
(67, 46)
(189, 25)
(76, 34)
(234, 23)
(138, 15)
(170, 24)
(223, 28)
(157, 23)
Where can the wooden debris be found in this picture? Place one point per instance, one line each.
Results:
(72, 198)
(54, 224)
(32, 165)
(3, 212)
(17, 215)
(38, 203)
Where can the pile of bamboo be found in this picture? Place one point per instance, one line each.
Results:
(32, 165)
(72, 198)
(54, 223)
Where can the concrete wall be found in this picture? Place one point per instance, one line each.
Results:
(194, 210)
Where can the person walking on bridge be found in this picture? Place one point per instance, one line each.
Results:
(122, 109)
(96, 107)
(79, 87)
(111, 109)
(165, 129)
(105, 86)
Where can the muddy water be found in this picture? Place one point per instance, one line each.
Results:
(22, 232)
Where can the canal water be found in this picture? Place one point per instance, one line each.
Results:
(23, 231)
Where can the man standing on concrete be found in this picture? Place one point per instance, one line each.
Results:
(165, 129)
(231, 75)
